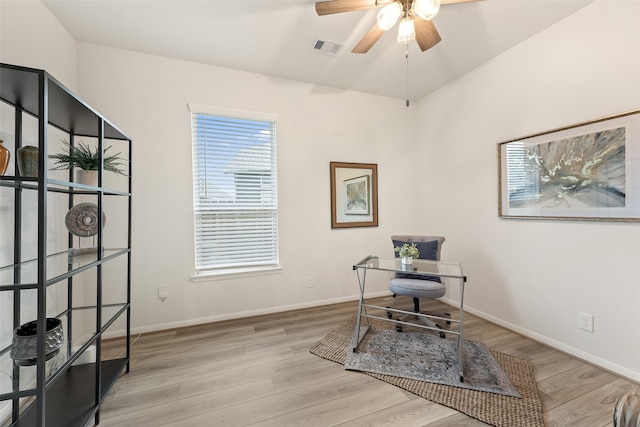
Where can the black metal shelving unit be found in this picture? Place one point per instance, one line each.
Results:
(67, 390)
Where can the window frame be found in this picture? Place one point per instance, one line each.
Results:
(215, 273)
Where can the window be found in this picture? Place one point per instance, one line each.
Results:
(234, 190)
(522, 175)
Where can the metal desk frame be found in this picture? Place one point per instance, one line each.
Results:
(419, 268)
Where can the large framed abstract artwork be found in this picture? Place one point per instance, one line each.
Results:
(354, 194)
(587, 171)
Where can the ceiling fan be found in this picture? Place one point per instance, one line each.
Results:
(415, 19)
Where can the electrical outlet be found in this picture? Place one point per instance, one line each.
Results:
(310, 282)
(585, 322)
(163, 293)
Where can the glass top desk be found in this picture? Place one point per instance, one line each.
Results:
(452, 270)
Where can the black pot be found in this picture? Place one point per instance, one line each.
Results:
(23, 348)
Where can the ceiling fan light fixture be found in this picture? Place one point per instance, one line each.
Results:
(426, 9)
(406, 31)
(388, 15)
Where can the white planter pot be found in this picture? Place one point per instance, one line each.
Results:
(407, 260)
(87, 177)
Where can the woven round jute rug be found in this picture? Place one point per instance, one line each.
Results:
(490, 408)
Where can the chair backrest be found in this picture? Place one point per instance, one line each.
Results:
(414, 238)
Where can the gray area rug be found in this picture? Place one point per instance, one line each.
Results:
(491, 408)
(427, 357)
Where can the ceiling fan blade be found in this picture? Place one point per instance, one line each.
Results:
(339, 6)
(368, 40)
(457, 1)
(426, 34)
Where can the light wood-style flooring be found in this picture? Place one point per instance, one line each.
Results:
(258, 371)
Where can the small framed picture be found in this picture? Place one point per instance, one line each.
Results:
(354, 195)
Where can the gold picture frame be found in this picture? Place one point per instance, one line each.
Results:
(354, 194)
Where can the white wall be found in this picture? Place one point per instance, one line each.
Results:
(31, 36)
(147, 96)
(535, 276)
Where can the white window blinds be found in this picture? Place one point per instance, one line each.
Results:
(234, 192)
(522, 174)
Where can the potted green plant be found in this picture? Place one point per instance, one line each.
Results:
(408, 251)
(82, 157)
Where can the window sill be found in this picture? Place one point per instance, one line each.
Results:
(233, 273)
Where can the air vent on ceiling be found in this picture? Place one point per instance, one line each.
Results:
(327, 47)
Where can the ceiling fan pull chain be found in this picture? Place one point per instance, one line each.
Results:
(406, 55)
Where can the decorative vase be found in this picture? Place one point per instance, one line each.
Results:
(87, 177)
(407, 260)
(23, 348)
(5, 155)
(27, 161)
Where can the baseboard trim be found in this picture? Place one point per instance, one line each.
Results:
(572, 351)
(557, 345)
(239, 315)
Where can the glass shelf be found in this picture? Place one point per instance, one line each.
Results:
(79, 331)
(55, 185)
(59, 267)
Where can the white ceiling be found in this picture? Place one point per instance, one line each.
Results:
(276, 37)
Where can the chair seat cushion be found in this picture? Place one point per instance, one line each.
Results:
(417, 288)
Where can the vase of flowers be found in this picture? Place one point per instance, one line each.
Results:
(87, 161)
(408, 251)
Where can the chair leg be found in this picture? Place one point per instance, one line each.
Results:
(427, 321)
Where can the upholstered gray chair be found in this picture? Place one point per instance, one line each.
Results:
(627, 410)
(418, 287)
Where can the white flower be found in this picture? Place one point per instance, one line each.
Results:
(407, 250)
